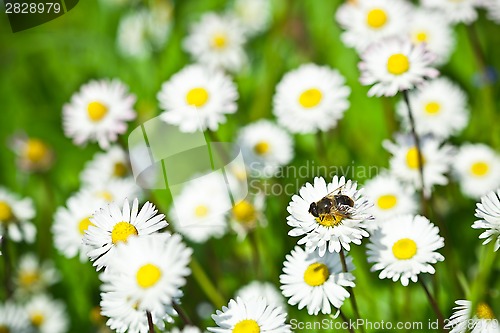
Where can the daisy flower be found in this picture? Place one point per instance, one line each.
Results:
(431, 28)
(33, 276)
(331, 232)
(405, 246)
(199, 210)
(394, 65)
(217, 42)
(493, 8)
(33, 154)
(463, 320)
(110, 226)
(404, 162)
(197, 96)
(253, 16)
(13, 318)
(186, 329)
(114, 190)
(98, 112)
(256, 315)
(390, 197)
(47, 315)
(15, 216)
(104, 166)
(310, 98)
(463, 11)
(265, 147)
(477, 167)
(314, 281)
(489, 213)
(246, 214)
(267, 290)
(439, 108)
(149, 271)
(369, 21)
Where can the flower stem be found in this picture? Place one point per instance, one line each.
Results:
(206, 285)
(7, 267)
(150, 322)
(252, 237)
(182, 314)
(354, 303)
(347, 321)
(435, 306)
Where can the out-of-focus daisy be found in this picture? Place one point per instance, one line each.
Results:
(33, 276)
(33, 154)
(394, 65)
(369, 21)
(462, 11)
(390, 197)
(15, 216)
(481, 321)
(185, 329)
(98, 112)
(197, 97)
(316, 282)
(332, 232)
(110, 226)
(114, 190)
(246, 214)
(310, 98)
(267, 290)
(199, 211)
(112, 164)
(265, 147)
(477, 167)
(493, 8)
(489, 213)
(405, 246)
(404, 162)
(253, 16)
(13, 318)
(431, 28)
(439, 108)
(47, 315)
(255, 315)
(149, 271)
(217, 41)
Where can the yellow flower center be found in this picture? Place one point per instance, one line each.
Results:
(201, 211)
(404, 249)
(246, 326)
(28, 278)
(483, 311)
(197, 97)
(120, 170)
(148, 275)
(412, 158)
(479, 169)
(106, 195)
(4, 329)
(316, 274)
(329, 220)
(122, 231)
(261, 148)
(376, 18)
(219, 41)
(420, 37)
(5, 212)
(96, 111)
(35, 150)
(387, 201)
(310, 98)
(244, 212)
(432, 108)
(398, 64)
(84, 225)
(37, 319)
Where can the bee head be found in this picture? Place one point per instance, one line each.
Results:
(313, 209)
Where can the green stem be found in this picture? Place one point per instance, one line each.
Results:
(346, 320)
(150, 322)
(182, 314)
(7, 267)
(435, 306)
(206, 285)
(354, 303)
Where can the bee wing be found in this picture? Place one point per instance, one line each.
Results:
(343, 211)
(335, 192)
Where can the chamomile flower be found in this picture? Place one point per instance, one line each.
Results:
(330, 232)
(267, 290)
(15, 216)
(110, 226)
(13, 318)
(369, 21)
(265, 147)
(431, 28)
(199, 211)
(149, 271)
(394, 65)
(463, 11)
(33, 276)
(217, 42)
(436, 158)
(489, 213)
(33, 154)
(112, 164)
(463, 320)
(390, 197)
(247, 214)
(114, 190)
(254, 315)
(493, 9)
(315, 282)
(253, 16)
(477, 167)
(197, 97)
(98, 112)
(405, 246)
(186, 329)
(310, 98)
(47, 315)
(439, 108)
